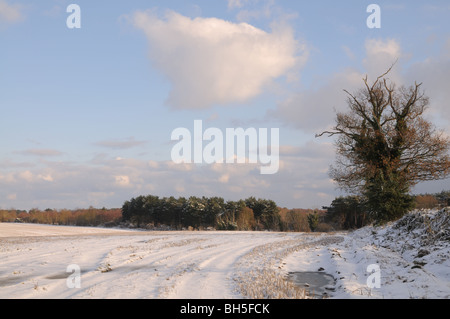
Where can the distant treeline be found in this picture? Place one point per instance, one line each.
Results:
(201, 213)
(79, 217)
(350, 212)
(152, 212)
(437, 200)
(213, 212)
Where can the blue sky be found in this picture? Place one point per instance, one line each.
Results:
(87, 114)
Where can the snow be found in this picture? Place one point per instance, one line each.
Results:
(27, 230)
(412, 256)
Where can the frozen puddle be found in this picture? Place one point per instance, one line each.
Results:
(316, 283)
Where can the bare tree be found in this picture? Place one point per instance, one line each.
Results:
(385, 146)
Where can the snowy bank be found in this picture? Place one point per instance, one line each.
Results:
(410, 256)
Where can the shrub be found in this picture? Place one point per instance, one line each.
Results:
(313, 221)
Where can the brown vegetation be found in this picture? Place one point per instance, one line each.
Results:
(79, 217)
(296, 219)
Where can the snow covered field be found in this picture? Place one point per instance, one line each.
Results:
(412, 257)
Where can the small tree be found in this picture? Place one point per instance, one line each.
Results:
(313, 221)
(385, 146)
(347, 213)
(244, 218)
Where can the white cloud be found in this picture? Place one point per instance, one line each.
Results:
(40, 152)
(210, 61)
(26, 175)
(10, 13)
(314, 110)
(8, 178)
(224, 178)
(12, 197)
(249, 10)
(122, 180)
(232, 4)
(118, 144)
(153, 164)
(434, 74)
(47, 177)
(380, 55)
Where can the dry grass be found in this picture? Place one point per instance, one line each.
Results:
(268, 284)
(263, 280)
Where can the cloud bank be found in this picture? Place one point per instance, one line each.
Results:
(314, 110)
(109, 181)
(120, 144)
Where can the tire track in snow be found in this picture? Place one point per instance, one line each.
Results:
(147, 265)
(212, 276)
